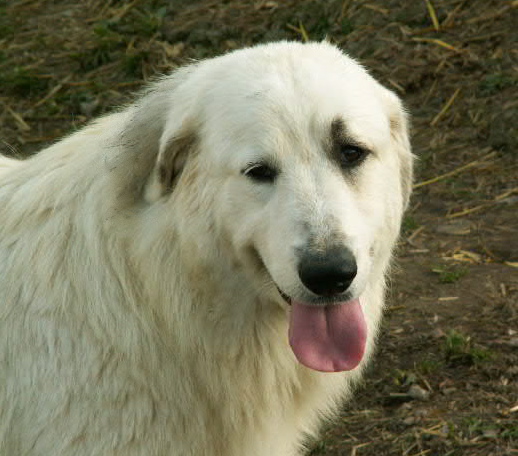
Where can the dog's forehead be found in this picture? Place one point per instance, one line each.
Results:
(296, 82)
(274, 98)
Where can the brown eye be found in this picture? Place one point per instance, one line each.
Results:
(351, 155)
(261, 172)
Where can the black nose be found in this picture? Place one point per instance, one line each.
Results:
(328, 273)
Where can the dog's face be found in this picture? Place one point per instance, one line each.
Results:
(310, 161)
(310, 165)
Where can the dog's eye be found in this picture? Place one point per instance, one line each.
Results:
(351, 155)
(261, 172)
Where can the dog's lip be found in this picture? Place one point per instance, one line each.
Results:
(318, 301)
(262, 264)
(284, 295)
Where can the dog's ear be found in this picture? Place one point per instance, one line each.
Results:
(157, 136)
(399, 132)
(174, 151)
(170, 111)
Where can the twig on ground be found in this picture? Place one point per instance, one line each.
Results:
(439, 42)
(489, 17)
(52, 92)
(411, 238)
(445, 108)
(22, 125)
(301, 30)
(484, 205)
(477, 162)
(357, 447)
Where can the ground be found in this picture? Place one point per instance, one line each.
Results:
(445, 378)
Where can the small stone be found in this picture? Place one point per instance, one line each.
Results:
(418, 393)
(88, 107)
(410, 420)
(490, 433)
(447, 391)
(456, 228)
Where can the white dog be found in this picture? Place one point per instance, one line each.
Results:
(203, 272)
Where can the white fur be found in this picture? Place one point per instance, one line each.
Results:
(136, 319)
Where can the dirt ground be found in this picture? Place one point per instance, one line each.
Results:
(445, 378)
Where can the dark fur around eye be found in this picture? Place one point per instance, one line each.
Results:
(261, 172)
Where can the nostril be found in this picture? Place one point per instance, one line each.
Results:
(328, 274)
(337, 284)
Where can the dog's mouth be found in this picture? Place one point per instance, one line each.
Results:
(326, 337)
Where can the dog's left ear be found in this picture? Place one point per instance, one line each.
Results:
(399, 132)
(174, 150)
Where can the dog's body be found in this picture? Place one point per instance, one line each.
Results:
(146, 261)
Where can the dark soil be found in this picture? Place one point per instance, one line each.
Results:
(445, 378)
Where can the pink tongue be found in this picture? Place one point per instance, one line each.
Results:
(328, 338)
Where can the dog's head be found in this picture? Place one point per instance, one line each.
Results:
(306, 161)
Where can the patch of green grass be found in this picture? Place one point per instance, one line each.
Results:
(320, 28)
(456, 343)
(428, 366)
(409, 224)
(132, 63)
(476, 426)
(106, 42)
(318, 449)
(473, 424)
(319, 21)
(510, 432)
(113, 36)
(346, 26)
(459, 349)
(141, 22)
(460, 189)
(23, 82)
(449, 274)
(404, 378)
(148, 22)
(6, 26)
(494, 83)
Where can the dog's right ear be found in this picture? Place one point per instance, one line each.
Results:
(175, 148)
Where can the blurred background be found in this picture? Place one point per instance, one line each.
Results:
(445, 378)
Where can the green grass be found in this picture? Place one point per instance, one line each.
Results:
(476, 426)
(494, 83)
(6, 27)
(23, 82)
(132, 63)
(409, 224)
(449, 273)
(459, 349)
(510, 432)
(104, 50)
(404, 378)
(428, 366)
(113, 37)
(318, 449)
(148, 22)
